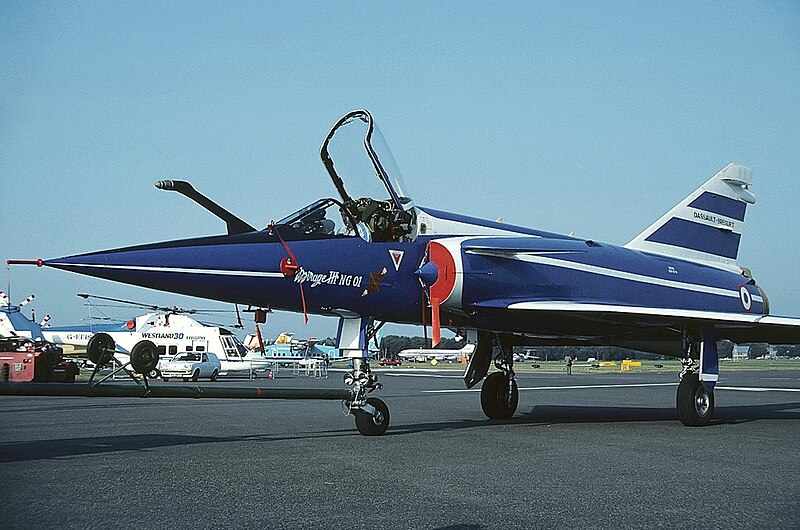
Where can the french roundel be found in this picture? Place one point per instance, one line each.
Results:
(446, 282)
(745, 298)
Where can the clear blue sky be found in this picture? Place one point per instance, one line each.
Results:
(592, 117)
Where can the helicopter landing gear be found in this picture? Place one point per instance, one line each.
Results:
(143, 358)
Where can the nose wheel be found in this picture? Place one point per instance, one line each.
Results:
(372, 419)
(371, 414)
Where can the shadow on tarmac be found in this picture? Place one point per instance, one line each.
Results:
(722, 415)
(68, 447)
(548, 415)
(539, 415)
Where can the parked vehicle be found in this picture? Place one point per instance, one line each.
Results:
(390, 362)
(191, 365)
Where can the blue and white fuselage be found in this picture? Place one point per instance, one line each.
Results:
(495, 268)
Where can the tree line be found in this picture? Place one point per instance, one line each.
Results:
(391, 345)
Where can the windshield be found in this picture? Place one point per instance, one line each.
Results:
(382, 153)
(325, 217)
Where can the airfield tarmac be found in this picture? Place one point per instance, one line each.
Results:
(608, 452)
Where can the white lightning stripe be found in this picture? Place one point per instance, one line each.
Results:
(757, 389)
(571, 387)
(613, 273)
(584, 387)
(394, 374)
(655, 311)
(176, 270)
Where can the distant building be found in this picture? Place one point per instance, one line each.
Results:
(741, 352)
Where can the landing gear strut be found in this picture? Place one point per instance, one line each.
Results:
(371, 414)
(499, 394)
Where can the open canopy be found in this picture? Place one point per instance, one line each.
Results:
(360, 163)
(367, 178)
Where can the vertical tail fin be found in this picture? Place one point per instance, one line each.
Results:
(707, 225)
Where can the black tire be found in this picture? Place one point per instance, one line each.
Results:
(494, 397)
(144, 357)
(100, 348)
(214, 375)
(369, 425)
(196, 375)
(694, 402)
(154, 373)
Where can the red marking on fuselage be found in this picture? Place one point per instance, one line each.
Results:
(446, 282)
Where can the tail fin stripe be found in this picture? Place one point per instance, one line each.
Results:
(720, 205)
(703, 238)
(706, 226)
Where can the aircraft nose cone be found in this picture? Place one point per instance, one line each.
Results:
(239, 268)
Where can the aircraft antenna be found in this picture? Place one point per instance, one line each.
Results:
(8, 287)
(239, 324)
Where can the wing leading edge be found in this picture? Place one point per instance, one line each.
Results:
(736, 327)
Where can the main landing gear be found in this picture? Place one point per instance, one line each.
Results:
(499, 394)
(695, 402)
(695, 397)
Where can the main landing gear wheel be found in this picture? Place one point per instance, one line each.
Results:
(373, 424)
(495, 400)
(144, 357)
(695, 403)
(100, 349)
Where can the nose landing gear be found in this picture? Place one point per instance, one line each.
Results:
(371, 414)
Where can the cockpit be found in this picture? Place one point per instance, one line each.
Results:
(372, 204)
(373, 201)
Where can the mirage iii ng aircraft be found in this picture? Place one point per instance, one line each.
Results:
(369, 255)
